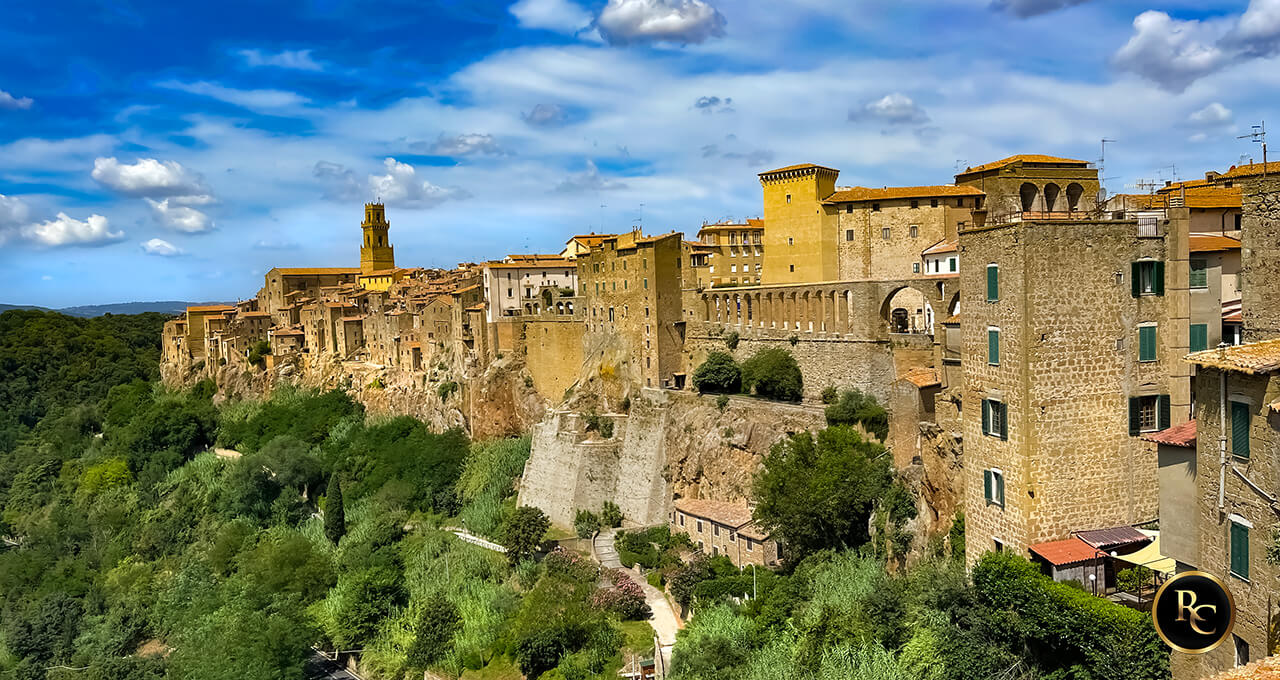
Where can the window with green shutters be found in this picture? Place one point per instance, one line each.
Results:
(995, 420)
(1147, 277)
(993, 486)
(993, 346)
(1199, 337)
(1149, 413)
(1239, 429)
(1146, 343)
(1199, 277)
(993, 282)
(1239, 550)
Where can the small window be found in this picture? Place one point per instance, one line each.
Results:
(1242, 650)
(715, 529)
(915, 231)
(1148, 413)
(875, 207)
(884, 233)
(993, 346)
(750, 545)
(954, 262)
(733, 537)
(790, 241)
(959, 202)
(995, 419)
(646, 284)
(1147, 343)
(1239, 548)
(788, 198)
(793, 267)
(933, 203)
(848, 207)
(1148, 278)
(699, 526)
(1199, 337)
(848, 234)
(1240, 429)
(915, 267)
(915, 203)
(993, 282)
(1199, 273)
(993, 486)
(682, 519)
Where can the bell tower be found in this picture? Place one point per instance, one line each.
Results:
(376, 252)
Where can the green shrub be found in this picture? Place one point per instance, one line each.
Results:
(719, 373)
(258, 351)
(731, 340)
(611, 515)
(376, 384)
(856, 408)
(774, 374)
(625, 406)
(1133, 580)
(445, 389)
(528, 382)
(586, 523)
(599, 423)
(829, 394)
(655, 579)
(794, 339)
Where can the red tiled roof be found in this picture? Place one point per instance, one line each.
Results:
(731, 514)
(1252, 358)
(1114, 537)
(1252, 169)
(1208, 243)
(887, 193)
(922, 377)
(943, 246)
(1024, 158)
(1232, 311)
(1183, 435)
(316, 271)
(1062, 553)
(210, 309)
(286, 331)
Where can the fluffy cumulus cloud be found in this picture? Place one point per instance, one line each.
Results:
(1258, 32)
(299, 60)
(68, 231)
(628, 22)
(1030, 8)
(893, 109)
(466, 145)
(400, 185)
(561, 16)
(1213, 115)
(588, 180)
(546, 115)
(8, 101)
(147, 177)
(1175, 53)
(172, 213)
(161, 247)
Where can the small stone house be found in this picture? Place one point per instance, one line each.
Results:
(723, 528)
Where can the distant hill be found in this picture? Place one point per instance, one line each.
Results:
(88, 311)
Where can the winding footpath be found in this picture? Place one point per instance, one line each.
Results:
(664, 621)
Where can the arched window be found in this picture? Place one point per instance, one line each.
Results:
(1028, 193)
(1074, 192)
(1051, 192)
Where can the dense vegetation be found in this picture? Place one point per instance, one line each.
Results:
(771, 373)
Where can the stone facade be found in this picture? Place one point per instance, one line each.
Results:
(1260, 258)
(734, 252)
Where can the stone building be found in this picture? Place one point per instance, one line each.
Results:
(1028, 185)
(376, 253)
(1072, 333)
(512, 286)
(723, 528)
(735, 251)
(882, 231)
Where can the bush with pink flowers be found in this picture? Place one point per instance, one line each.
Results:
(625, 598)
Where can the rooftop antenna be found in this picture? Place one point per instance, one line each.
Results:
(1102, 166)
(1259, 134)
(961, 163)
(1148, 184)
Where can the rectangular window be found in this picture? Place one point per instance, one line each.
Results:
(750, 545)
(1148, 278)
(884, 233)
(848, 234)
(733, 537)
(875, 207)
(915, 267)
(1148, 413)
(788, 198)
(1199, 337)
(955, 262)
(646, 284)
(699, 526)
(993, 282)
(915, 203)
(1240, 429)
(848, 208)
(1147, 343)
(715, 529)
(915, 231)
(993, 486)
(793, 267)
(1199, 273)
(993, 346)
(682, 519)
(995, 419)
(1239, 549)
(933, 203)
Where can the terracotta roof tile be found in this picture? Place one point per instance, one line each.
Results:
(922, 377)
(1024, 158)
(1262, 669)
(1208, 243)
(1183, 435)
(210, 309)
(1232, 311)
(1251, 358)
(1252, 169)
(1114, 537)
(286, 331)
(316, 271)
(1066, 552)
(723, 512)
(888, 193)
(943, 246)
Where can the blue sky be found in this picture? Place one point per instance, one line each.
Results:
(159, 150)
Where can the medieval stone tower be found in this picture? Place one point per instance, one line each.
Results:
(376, 253)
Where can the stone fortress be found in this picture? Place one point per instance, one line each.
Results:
(1028, 334)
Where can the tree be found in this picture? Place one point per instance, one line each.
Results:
(719, 373)
(856, 408)
(773, 373)
(817, 494)
(523, 532)
(611, 515)
(258, 352)
(437, 624)
(335, 521)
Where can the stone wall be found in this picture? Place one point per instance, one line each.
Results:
(553, 353)
(1260, 259)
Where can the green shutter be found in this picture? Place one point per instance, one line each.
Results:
(986, 416)
(993, 283)
(1199, 276)
(1004, 419)
(1159, 277)
(986, 485)
(1146, 343)
(1162, 411)
(1240, 429)
(952, 261)
(993, 347)
(1135, 277)
(1199, 337)
(1000, 489)
(1240, 550)
(1135, 416)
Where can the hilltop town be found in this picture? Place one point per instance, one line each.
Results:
(1093, 380)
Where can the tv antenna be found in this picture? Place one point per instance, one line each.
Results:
(1148, 184)
(1102, 168)
(961, 163)
(1259, 135)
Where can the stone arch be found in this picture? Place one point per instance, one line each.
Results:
(903, 309)
(1051, 192)
(1028, 193)
(953, 305)
(1074, 192)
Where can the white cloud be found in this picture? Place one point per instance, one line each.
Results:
(147, 177)
(1258, 31)
(12, 211)
(292, 59)
(68, 231)
(400, 185)
(466, 145)
(588, 180)
(8, 101)
(545, 115)
(161, 247)
(894, 109)
(273, 101)
(1171, 52)
(1029, 8)
(627, 22)
(710, 104)
(172, 214)
(561, 16)
(1214, 114)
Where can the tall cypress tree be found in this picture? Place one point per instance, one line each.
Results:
(335, 521)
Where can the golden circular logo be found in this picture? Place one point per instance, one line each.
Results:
(1193, 612)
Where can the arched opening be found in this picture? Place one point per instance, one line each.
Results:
(1028, 193)
(1074, 192)
(903, 311)
(899, 320)
(1051, 192)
